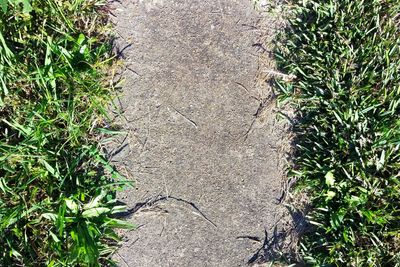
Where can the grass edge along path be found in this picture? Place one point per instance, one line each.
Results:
(345, 56)
(57, 189)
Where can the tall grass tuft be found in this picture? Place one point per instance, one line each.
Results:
(57, 190)
(345, 55)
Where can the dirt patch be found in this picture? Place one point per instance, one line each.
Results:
(204, 147)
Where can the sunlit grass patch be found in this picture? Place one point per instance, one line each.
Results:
(57, 190)
(345, 56)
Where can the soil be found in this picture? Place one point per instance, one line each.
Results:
(203, 147)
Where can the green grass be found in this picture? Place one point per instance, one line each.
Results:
(57, 190)
(345, 55)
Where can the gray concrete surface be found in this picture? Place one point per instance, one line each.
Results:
(203, 145)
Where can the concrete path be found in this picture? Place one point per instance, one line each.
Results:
(203, 147)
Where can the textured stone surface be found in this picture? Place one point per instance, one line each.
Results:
(195, 147)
